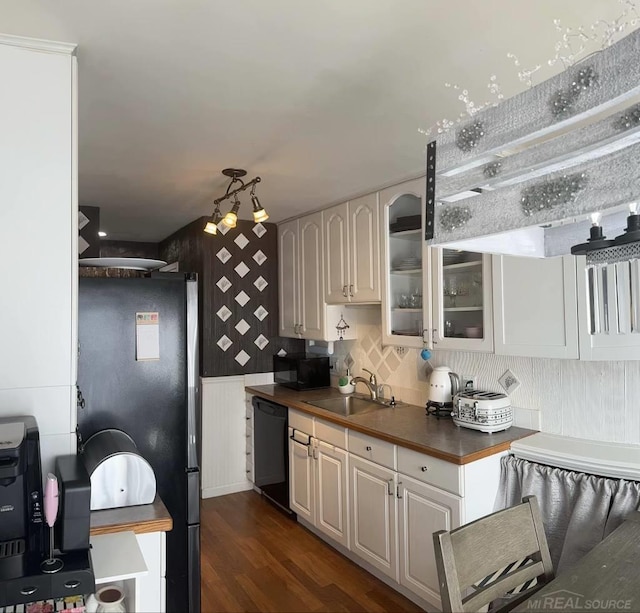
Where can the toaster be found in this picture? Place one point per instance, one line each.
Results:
(484, 411)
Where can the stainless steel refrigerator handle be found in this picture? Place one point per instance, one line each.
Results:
(193, 396)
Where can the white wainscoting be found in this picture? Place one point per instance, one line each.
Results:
(223, 440)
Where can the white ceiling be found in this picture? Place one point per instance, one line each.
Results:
(321, 98)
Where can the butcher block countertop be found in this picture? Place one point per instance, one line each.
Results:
(142, 518)
(408, 426)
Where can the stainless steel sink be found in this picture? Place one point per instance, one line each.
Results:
(350, 405)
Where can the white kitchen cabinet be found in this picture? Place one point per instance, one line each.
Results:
(352, 251)
(39, 238)
(422, 510)
(609, 310)
(399, 497)
(535, 306)
(250, 467)
(288, 281)
(300, 287)
(134, 562)
(302, 476)
(331, 491)
(461, 300)
(373, 515)
(318, 475)
(405, 265)
(433, 297)
(302, 309)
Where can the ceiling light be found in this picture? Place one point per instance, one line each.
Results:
(101, 234)
(596, 240)
(259, 214)
(231, 218)
(623, 247)
(211, 226)
(236, 186)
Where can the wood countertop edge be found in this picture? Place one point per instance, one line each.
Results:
(144, 527)
(331, 417)
(153, 518)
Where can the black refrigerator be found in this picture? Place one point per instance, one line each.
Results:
(156, 400)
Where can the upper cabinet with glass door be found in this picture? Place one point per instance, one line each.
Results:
(462, 301)
(405, 310)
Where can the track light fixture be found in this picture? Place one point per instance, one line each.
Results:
(236, 186)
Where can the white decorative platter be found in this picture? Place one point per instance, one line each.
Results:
(127, 263)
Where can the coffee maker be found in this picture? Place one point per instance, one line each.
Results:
(21, 516)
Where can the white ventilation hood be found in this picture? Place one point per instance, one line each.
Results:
(525, 177)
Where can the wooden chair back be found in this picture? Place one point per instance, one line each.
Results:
(476, 561)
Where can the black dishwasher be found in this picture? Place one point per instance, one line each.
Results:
(271, 451)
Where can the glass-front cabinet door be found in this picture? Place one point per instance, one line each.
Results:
(404, 304)
(462, 307)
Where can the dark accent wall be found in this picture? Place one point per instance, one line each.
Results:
(128, 249)
(88, 226)
(238, 294)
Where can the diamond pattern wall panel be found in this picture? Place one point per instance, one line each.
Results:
(238, 274)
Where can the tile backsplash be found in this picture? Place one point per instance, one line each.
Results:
(592, 400)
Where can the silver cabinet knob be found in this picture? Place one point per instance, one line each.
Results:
(424, 469)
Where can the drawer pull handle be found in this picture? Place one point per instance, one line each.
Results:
(28, 590)
(72, 584)
(389, 487)
(424, 469)
(248, 453)
(248, 418)
(368, 447)
(247, 471)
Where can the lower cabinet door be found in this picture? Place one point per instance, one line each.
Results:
(373, 515)
(331, 492)
(423, 510)
(301, 478)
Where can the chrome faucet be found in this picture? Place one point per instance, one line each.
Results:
(372, 384)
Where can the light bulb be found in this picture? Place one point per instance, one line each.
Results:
(259, 214)
(595, 218)
(211, 228)
(633, 208)
(230, 219)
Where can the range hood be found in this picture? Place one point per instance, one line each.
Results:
(533, 175)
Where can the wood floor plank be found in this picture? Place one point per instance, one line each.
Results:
(256, 558)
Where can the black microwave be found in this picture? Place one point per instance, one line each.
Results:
(301, 372)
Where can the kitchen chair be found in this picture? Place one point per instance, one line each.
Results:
(495, 557)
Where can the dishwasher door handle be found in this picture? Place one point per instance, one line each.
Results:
(295, 440)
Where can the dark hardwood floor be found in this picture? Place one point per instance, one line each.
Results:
(255, 558)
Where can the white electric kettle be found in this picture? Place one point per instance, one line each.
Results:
(443, 385)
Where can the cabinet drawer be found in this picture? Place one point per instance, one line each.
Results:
(331, 433)
(301, 421)
(428, 469)
(371, 448)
